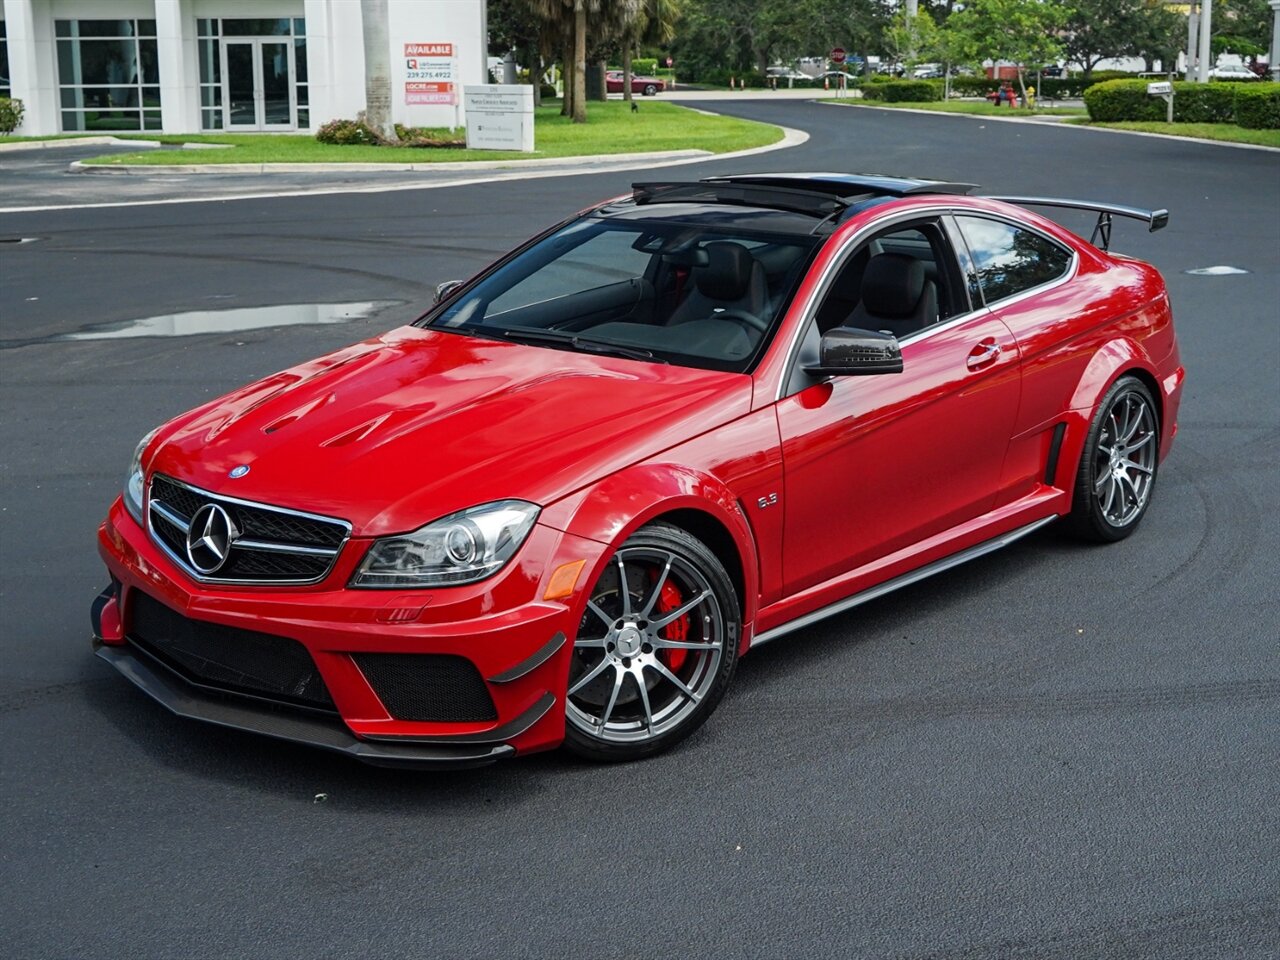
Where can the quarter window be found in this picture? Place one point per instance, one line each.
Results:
(1008, 260)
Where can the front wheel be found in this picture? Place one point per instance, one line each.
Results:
(650, 89)
(656, 648)
(1117, 472)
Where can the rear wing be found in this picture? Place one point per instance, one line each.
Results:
(1101, 237)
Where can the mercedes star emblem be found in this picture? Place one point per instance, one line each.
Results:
(209, 538)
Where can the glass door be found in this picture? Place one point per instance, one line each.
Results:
(259, 87)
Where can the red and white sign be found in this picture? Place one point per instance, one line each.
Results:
(428, 50)
(429, 74)
(838, 55)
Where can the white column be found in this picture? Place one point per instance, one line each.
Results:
(33, 70)
(1273, 60)
(1206, 32)
(179, 66)
(320, 62)
(1193, 38)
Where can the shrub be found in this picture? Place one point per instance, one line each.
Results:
(973, 86)
(427, 137)
(1257, 105)
(904, 91)
(1115, 100)
(1202, 103)
(1118, 100)
(644, 66)
(10, 114)
(346, 132)
(548, 92)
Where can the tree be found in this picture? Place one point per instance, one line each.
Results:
(377, 68)
(910, 39)
(654, 25)
(1097, 30)
(1160, 35)
(1023, 31)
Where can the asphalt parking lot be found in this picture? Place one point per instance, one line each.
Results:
(1055, 751)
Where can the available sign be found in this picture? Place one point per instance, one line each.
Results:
(429, 73)
(499, 116)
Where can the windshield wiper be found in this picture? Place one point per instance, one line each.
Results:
(576, 341)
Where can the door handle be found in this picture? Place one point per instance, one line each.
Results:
(984, 354)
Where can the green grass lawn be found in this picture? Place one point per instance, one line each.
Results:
(610, 128)
(967, 106)
(1203, 131)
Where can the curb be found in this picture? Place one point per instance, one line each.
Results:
(790, 138)
(151, 170)
(1063, 123)
(103, 142)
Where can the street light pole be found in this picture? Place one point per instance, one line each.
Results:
(1274, 58)
(1206, 33)
(1193, 37)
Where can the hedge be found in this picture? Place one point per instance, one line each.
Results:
(1120, 100)
(644, 66)
(904, 91)
(1258, 105)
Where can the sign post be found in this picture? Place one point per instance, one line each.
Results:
(499, 116)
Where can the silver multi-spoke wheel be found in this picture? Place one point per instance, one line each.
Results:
(654, 649)
(1125, 459)
(1118, 469)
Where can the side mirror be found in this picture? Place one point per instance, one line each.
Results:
(850, 352)
(444, 289)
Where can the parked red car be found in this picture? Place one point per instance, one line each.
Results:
(563, 503)
(647, 86)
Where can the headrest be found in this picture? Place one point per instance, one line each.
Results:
(727, 275)
(891, 285)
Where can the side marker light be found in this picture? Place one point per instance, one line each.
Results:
(564, 580)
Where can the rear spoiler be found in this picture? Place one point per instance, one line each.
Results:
(1101, 237)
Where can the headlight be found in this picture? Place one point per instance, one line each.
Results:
(133, 483)
(461, 548)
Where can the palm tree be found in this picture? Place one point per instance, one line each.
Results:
(570, 16)
(377, 68)
(652, 24)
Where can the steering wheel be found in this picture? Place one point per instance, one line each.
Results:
(745, 317)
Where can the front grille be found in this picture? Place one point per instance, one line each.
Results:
(271, 545)
(428, 687)
(227, 658)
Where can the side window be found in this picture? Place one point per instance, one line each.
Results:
(608, 257)
(880, 272)
(1008, 260)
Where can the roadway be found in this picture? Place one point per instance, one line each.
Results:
(1055, 751)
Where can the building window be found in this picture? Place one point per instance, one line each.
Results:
(108, 78)
(212, 33)
(5, 90)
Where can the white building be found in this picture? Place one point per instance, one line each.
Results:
(183, 66)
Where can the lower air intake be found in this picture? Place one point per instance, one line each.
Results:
(429, 687)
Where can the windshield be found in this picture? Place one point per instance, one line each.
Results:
(663, 291)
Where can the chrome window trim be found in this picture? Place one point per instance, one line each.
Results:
(809, 308)
(265, 546)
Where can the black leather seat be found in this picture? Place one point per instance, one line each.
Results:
(731, 279)
(896, 297)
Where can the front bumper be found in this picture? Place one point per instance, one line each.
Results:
(519, 655)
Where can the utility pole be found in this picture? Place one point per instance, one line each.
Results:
(1273, 61)
(1206, 32)
(913, 7)
(1193, 37)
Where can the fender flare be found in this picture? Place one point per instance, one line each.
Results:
(609, 511)
(1110, 362)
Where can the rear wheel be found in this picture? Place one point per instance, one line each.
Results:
(655, 650)
(650, 89)
(1117, 471)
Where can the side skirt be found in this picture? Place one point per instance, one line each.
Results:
(905, 580)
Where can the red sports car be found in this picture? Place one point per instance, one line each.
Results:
(647, 86)
(563, 503)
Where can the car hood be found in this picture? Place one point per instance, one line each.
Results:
(414, 425)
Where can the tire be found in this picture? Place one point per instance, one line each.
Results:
(641, 679)
(649, 90)
(1117, 473)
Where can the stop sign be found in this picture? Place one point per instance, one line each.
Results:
(838, 55)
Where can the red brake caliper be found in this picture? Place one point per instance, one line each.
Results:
(669, 600)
